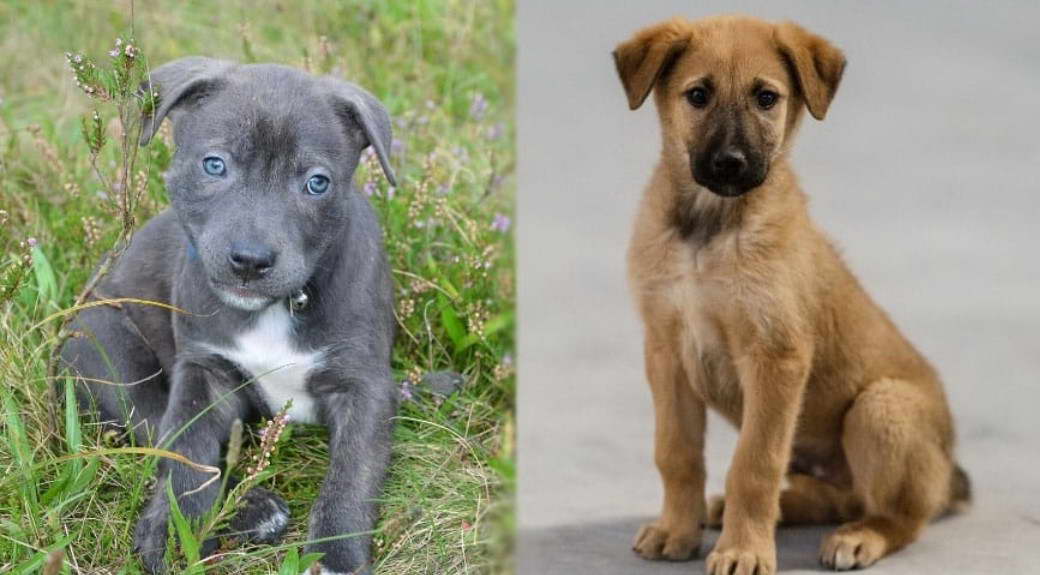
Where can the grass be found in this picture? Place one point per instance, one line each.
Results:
(444, 70)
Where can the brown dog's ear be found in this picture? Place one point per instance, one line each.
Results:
(817, 64)
(641, 60)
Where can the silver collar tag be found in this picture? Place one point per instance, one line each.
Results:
(298, 301)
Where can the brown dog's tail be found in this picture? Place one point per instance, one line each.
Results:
(960, 491)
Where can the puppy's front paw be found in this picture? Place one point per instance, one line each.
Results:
(742, 559)
(656, 542)
(317, 569)
(150, 542)
(263, 518)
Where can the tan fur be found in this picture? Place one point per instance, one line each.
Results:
(749, 310)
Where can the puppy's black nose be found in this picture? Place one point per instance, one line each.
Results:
(728, 164)
(251, 261)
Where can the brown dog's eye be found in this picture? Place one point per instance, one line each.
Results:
(698, 97)
(767, 99)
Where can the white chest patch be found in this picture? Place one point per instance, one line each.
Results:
(268, 353)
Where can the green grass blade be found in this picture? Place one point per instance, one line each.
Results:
(189, 544)
(18, 440)
(46, 281)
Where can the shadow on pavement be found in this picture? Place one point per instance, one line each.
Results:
(604, 548)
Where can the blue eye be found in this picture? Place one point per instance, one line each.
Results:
(317, 185)
(214, 166)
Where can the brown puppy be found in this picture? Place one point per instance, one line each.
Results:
(749, 309)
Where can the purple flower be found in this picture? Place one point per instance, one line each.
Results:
(495, 132)
(406, 390)
(31, 242)
(113, 53)
(501, 223)
(443, 190)
(390, 192)
(396, 147)
(369, 188)
(478, 107)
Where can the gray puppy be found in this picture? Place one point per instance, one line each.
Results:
(279, 263)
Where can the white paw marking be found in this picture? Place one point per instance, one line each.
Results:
(271, 525)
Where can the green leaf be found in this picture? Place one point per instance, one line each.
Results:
(46, 281)
(450, 320)
(308, 559)
(290, 565)
(17, 439)
(73, 433)
(189, 544)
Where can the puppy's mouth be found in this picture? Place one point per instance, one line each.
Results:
(242, 297)
(727, 190)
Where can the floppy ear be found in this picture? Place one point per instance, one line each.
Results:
(362, 110)
(818, 65)
(641, 60)
(177, 83)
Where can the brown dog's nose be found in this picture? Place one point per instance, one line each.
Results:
(251, 261)
(728, 164)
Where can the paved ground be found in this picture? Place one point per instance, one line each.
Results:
(925, 172)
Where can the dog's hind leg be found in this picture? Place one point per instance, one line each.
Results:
(897, 452)
(805, 501)
(119, 373)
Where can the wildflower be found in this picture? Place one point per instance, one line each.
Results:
(113, 53)
(461, 154)
(504, 369)
(419, 286)
(501, 223)
(390, 192)
(478, 107)
(477, 317)
(495, 132)
(91, 230)
(269, 439)
(4, 217)
(407, 307)
(369, 189)
(406, 390)
(397, 147)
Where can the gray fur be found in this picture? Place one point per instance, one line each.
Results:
(274, 127)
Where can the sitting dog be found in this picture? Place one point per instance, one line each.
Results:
(278, 265)
(749, 309)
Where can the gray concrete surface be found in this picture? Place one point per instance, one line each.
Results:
(926, 172)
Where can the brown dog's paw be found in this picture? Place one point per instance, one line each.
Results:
(852, 548)
(655, 542)
(742, 560)
(716, 507)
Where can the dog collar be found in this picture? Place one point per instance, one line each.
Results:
(298, 301)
